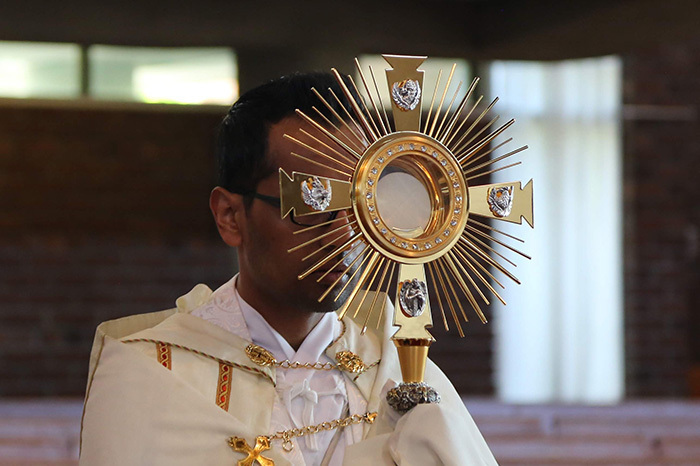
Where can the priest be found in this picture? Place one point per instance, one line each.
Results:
(259, 371)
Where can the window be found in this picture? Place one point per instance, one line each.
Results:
(560, 337)
(137, 74)
(39, 70)
(184, 76)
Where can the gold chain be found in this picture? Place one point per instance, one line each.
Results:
(287, 435)
(347, 361)
(287, 364)
(263, 357)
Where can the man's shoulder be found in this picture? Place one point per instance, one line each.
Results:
(124, 326)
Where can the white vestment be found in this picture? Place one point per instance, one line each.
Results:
(304, 396)
(169, 388)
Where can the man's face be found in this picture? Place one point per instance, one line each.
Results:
(264, 261)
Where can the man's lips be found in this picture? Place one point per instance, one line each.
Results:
(330, 277)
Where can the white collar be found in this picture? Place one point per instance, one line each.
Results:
(311, 349)
(228, 310)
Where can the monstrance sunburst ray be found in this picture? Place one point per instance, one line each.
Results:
(347, 269)
(457, 145)
(488, 227)
(411, 211)
(321, 153)
(328, 134)
(380, 287)
(483, 245)
(350, 216)
(445, 264)
(467, 292)
(458, 260)
(491, 172)
(385, 131)
(354, 249)
(322, 165)
(335, 240)
(320, 237)
(497, 241)
(379, 98)
(465, 152)
(436, 295)
(442, 100)
(467, 258)
(432, 102)
(357, 131)
(356, 147)
(344, 157)
(329, 257)
(377, 267)
(487, 259)
(456, 115)
(465, 119)
(369, 132)
(347, 246)
(443, 281)
(493, 149)
(365, 109)
(447, 112)
(469, 170)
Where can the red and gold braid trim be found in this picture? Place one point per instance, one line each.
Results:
(205, 355)
(164, 355)
(223, 390)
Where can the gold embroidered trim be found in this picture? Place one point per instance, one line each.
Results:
(209, 356)
(349, 362)
(164, 355)
(375, 363)
(223, 391)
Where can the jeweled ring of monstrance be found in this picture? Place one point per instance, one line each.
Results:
(417, 222)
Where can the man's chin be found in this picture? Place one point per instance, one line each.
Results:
(328, 304)
(331, 302)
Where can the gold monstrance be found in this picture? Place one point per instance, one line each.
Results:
(416, 221)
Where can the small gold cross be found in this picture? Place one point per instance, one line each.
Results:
(262, 443)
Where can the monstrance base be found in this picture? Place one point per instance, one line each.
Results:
(410, 394)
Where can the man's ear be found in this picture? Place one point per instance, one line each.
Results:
(229, 214)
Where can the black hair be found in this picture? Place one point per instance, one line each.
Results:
(242, 142)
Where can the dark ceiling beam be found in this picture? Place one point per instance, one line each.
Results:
(555, 30)
(543, 30)
(414, 27)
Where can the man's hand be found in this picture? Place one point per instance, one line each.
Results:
(429, 434)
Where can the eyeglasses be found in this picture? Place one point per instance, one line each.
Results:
(308, 221)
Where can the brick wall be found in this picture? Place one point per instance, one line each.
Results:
(103, 213)
(662, 219)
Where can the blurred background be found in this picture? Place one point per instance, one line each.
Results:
(108, 114)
